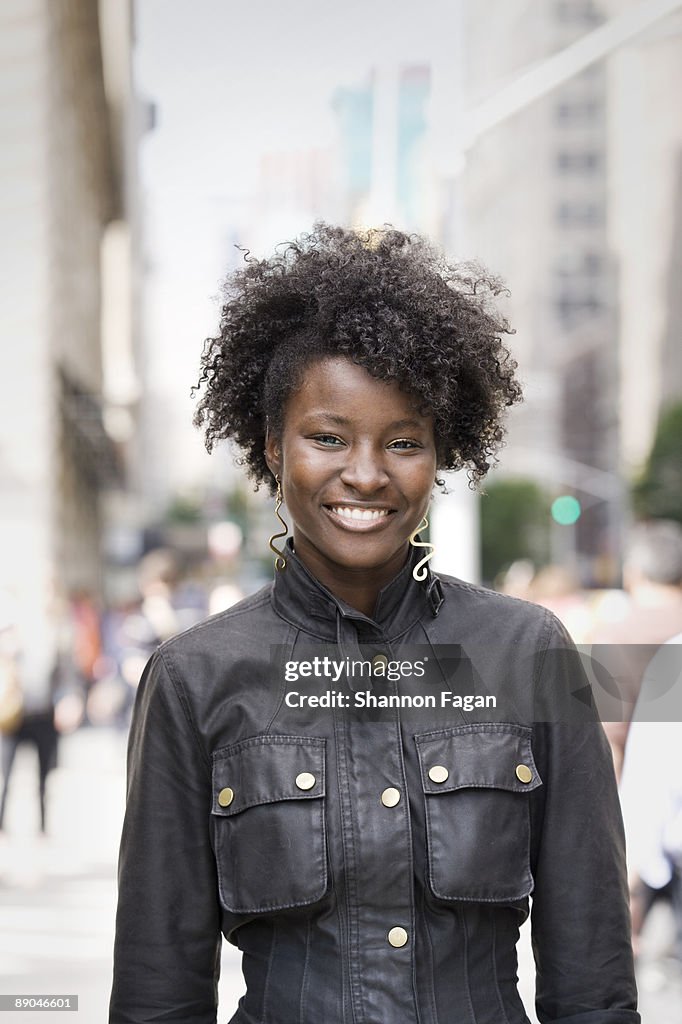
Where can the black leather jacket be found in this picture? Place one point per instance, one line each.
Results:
(361, 886)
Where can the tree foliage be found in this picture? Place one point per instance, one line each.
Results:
(657, 494)
(515, 523)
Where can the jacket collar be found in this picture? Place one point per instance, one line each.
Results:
(300, 598)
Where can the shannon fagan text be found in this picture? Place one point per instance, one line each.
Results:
(367, 699)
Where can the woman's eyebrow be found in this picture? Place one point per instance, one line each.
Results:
(399, 424)
(324, 415)
(342, 421)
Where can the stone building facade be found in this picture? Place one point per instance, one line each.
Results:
(61, 186)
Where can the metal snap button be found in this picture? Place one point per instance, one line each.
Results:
(397, 937)
(438, 773)
(379, 660)
(390, 797)
(305, 780)
(523, 773)
(225, 796)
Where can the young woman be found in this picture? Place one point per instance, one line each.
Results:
(319, 774)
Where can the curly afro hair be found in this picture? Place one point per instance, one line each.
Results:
(386, 300)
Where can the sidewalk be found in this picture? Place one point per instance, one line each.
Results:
(58, 895)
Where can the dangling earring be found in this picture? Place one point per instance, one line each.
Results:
(420, 571)
(280, 560)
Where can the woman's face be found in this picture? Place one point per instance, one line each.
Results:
(357, 465)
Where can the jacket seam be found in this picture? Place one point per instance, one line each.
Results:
(296, 625)
(407, 826)
(398, 729)
(184, 704)
(268, 740)
(351, 901)
(428, 942)
(549, 625)
(487, 594)
(510, 728)
(436, 661)
(343, 938)
(399, 636)
(266, 986)
(290, 644)
(494, 966)
(304, 979)
(329, 636)
(539, 795)
(467, 986)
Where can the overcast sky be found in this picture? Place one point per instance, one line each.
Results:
(235, 79)
(232, 81)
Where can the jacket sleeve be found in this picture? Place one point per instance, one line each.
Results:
(580, 912)
(168, 942)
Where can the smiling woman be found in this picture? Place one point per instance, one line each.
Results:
(355, 494)
(351, 368)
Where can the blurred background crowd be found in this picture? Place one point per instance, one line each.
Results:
(147, 145)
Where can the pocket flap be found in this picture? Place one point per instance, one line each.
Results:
(265, 769)
(487, 756)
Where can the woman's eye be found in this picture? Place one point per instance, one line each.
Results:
(328, 439)
(404, 443)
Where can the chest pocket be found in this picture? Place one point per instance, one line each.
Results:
(476, 781)
(268, 822)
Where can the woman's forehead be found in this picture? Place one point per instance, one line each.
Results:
(343, 391)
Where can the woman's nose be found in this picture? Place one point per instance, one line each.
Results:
(364, 469)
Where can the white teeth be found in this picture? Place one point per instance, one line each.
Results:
(359, 513)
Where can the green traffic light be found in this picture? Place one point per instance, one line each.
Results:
(566, 510)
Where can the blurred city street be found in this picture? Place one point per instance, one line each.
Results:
(58, 894)
(160, 152)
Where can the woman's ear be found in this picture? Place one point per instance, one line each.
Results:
(273, 453)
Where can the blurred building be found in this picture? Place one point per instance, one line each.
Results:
(66, 154)
(534, 196)
(645, 225)
(558, 199)
(382, 128)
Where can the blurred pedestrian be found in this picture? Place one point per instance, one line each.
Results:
(31, 655)
(163, 604)
(516, 579)
(86, 635)
(652, 578)
(651, 798)
(557, 587)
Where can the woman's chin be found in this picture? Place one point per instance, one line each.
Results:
(366, 558)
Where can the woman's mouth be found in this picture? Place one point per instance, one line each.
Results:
(350, 517)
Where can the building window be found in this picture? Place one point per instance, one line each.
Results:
(580, 263)
(574, 307)
(593, 264)
(578, 161)
(577, 112)
(576, 212)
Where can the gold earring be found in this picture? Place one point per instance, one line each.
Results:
(420, 571)
(280, 560)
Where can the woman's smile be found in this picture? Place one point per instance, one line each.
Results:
(359, 517)
(357, 464)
